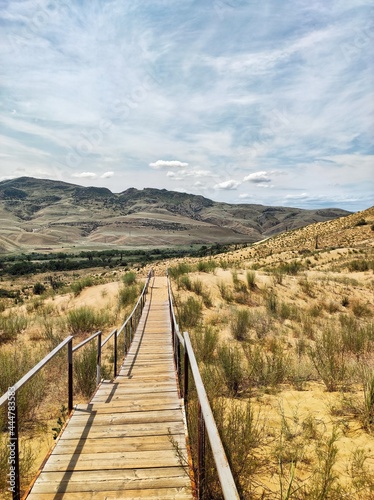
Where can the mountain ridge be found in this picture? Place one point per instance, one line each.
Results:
(38, 213)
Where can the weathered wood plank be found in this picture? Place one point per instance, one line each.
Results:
(111, 460)
(102, 445)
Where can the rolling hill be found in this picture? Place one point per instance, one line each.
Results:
(42, 214)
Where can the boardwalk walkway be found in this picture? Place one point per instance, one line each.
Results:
(119, 446)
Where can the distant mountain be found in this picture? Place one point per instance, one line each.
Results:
(45, 214)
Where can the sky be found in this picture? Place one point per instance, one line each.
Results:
(241, 101)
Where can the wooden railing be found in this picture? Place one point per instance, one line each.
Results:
(205, 422)
(128, 328)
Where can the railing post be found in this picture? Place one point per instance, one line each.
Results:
(70, 376)
(201, 453)
(98, 363)
(14, 449)
(115, 355)
(131, 330)
(185, 380)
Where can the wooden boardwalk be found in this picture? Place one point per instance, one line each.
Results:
(120, 445)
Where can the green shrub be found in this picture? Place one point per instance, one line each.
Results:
(251, 280)
(268, 368)
(291, 268)
(240, 324)
(85, 369)
(271, 302)
(358, 266)
(231, 363)
(81, 284)
(129, 278)
(328, 359)
(84, 320)
(128, 296)
(184, 283)
(11, 326)
(189, 313)
(206, 266)
(176, 271)
(38, 288)
(14, 364)
(205, 343)
(225, 292)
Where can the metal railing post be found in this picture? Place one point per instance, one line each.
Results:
(98, 362)
(70, 376)
(185, 380)
(115, 355)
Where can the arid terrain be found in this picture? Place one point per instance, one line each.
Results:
(46, 215)
(284, 335)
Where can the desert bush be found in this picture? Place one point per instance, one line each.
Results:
(242, 433)
(189, 313)
(278, 275)
(38, 288)
(361, 309)
(184, 283)
(128, 295)
(267, 368)
(85, 369)
(251, 280)
(271, 302)
(231, 363)
(358, 265)
(307, 287)
(11, 326)
(289, 311)
(355, 337)
(85, 319)
(225, 292)
(197, 287)
(291, 268)
(206, 266)
(181, 268)
(328, 358)
(14, 364)
(240, 324)
(205, 341)
(129, 278)
(81, 284)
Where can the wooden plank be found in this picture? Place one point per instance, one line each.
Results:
(117, 480)
(181, 493)
(111, 460)
(121, 431)
(102, 445)
(126, 418)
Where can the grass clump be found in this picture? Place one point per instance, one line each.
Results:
(206, 266)
(85, 369)
(85, 319)
(231, 364)
(205, 343)
(240, 324)
(81, 284)
(176, 271)
(11, 326)
(190, 313)
(129, 278)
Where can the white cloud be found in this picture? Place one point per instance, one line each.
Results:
(244, 196)
(106, 175)
(258, 177)
(228, 185)
(168, 164)
(84, 175)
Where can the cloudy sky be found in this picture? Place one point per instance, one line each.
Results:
(245, 101)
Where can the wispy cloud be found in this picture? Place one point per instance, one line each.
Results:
(231, 95)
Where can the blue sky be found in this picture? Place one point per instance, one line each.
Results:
(242, 101)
